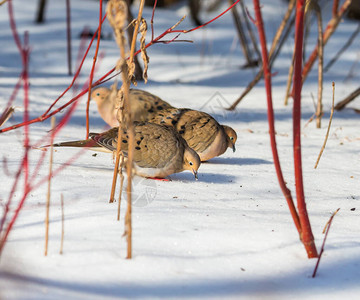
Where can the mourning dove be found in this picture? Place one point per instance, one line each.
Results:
(144, 105)
(159, 150)
(200, 130)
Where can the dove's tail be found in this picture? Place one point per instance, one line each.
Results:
(91, 144)
(83, 143)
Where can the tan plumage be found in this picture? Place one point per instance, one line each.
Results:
(144, 105)
(200, 130)
(159, 150)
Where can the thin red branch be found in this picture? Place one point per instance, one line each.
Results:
(75, 76)
(306, 233)
(92, 71)
(212, 20)
(270, 113)
(13, 26)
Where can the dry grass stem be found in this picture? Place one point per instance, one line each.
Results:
(250, 30)
(319, 108)
(241, 34)
(343, 49)
(47, 216)
(131, 133)
(117, 15)
(289, 81)
(121, 185)
(348, 99)
(328, 129)
(144, 56)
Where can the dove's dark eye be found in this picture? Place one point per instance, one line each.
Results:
(98, 94)
(190, 163)
(231, 138)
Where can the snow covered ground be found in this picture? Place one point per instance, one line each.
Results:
(228, 235)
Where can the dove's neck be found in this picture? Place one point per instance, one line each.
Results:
(216, 148)
(108, 112)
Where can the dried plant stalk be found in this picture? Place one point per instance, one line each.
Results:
(289, 81)
(130, 129)
(117, 16)
(121, 185)
(328, 129)
(319, 108)
(348, 99)
(241, 33)
(144, 56)
(343, 49)
(49, 188)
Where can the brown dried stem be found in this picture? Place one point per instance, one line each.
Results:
(131, 141)
(250, 30)
(121, 185)
(328, 129)
(49, 187)
(319, 108)
(348, 99)
(289, 81)
(343, 48)
(241, 33)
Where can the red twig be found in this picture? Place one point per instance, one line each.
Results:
(270, 113)
(75, 77)
(68, 35)
(212, 20)
(92, 70)
(327, 228)
(306, 233)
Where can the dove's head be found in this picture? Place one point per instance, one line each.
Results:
(191, 161)
(100, 94)
(231, 137)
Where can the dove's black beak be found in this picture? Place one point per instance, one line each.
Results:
(195, 174)
(233, 147)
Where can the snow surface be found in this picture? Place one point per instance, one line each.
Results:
(228, 235)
